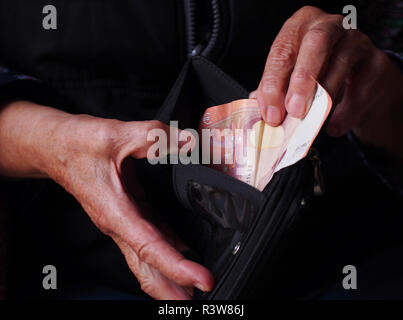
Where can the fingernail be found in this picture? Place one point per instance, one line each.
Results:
(297, 105)
(201, 287)
(273, 114)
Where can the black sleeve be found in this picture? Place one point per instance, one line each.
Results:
(8, 76)
(17, 86)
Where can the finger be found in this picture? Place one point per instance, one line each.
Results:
(175, 138)
(352, 63)
(158, 253)
(314, 52)
(280, 63)
(347, 54)
(273, 85)
(351, 109)
(151, 280)
(253, 95)
(151, 247)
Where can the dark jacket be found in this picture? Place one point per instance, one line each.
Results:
(117, 59)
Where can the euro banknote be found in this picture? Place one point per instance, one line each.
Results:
(237, 141)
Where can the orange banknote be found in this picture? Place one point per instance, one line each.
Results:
(236, 140)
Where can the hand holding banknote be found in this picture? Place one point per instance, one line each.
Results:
(251, 150)
(363, 82)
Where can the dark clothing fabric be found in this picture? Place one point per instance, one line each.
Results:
(118, 59)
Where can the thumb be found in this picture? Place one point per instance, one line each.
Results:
(163, 140)
(154, 140)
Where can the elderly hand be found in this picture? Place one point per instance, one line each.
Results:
(84, 154)
(366, 87)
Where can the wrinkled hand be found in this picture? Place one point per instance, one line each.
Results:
(88, 164)
(365, 85)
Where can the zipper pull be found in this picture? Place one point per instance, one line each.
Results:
(319, 182)
(197, 50)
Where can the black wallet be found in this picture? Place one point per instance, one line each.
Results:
(232, 228)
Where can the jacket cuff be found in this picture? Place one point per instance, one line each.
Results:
(8, 76)
(17, 86)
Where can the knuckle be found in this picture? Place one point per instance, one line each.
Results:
(318, 35)
(359, 42)
(282, 54)
(362, 42)
(269, 83)
(153, 124)
(101, 131)
(146, 129)
(290, 22)
(301, 75)
(365, 40)
(343, 58)
(336, 17)
(308, 10)
(145, 251)
(380, 60)
(103, 136)
(336, 20)
(362, 37)
(141, 128)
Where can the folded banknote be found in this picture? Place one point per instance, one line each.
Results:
(236, 140)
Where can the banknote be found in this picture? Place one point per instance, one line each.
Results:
(236, 140)
(225, 132)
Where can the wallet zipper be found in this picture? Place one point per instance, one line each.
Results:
(275, 222)
(313, 157)
(190, 18)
